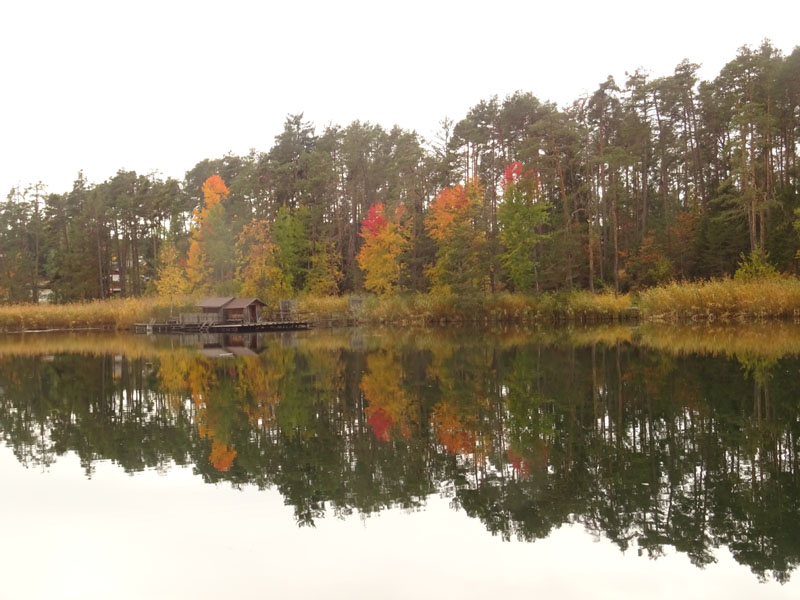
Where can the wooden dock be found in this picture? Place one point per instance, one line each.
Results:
(205, 327)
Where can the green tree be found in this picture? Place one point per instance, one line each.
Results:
(522, 219)
(290, 233)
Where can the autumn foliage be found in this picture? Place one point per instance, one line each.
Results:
(214, 190)
(512, 173)
(457, 221)
(451, 430)
(450, 207)
(384, 242)
(375, 221)
(388, 404)
(259, 270)
(210, 254)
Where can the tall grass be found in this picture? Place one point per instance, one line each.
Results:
(114, 314)
(720, 299)
(451, 308)
(723, 299)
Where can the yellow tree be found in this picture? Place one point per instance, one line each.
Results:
(198, 272)
(259, 273)
(325, 274)
(383, 243)
(171, 281)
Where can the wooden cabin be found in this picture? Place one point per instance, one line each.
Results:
(226, 315)
(242, 310)
(212, 308)
(221, 310)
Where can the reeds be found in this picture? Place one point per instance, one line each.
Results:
(502, 307)
(717, 300)
(723, 300)
(114, 314)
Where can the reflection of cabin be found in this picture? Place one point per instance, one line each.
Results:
(245, 311)
(248, 344)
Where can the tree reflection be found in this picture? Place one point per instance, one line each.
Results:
(648, 447)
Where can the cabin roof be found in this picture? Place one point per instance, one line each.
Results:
(214, 302)
(243, 303)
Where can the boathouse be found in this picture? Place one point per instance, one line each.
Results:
(242, 310)
(231, 310)
(225, 315)
(211, 308)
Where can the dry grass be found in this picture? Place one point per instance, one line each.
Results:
(116, 314)
(586, 306)
(501, 307)
(723, 299)
(717, 300)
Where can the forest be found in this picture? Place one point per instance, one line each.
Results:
(638, 183)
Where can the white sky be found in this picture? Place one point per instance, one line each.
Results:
(158, 86)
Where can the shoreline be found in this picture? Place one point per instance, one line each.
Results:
(775, 299)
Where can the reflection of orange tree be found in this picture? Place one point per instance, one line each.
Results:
(452, 429)
(203, 382)
(388, 403)
(462, 420)
(181, 371)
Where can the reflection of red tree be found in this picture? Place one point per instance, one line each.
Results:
(388, 406)
(519, 464)
(222, 455)
(380, 422)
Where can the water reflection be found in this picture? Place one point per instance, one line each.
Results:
(658, 437)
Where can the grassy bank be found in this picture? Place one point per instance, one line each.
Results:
(723, 300)
(712, 301)
(115, 314)
(122, 314)
(502, 307)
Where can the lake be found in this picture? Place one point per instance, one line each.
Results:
(608, 462)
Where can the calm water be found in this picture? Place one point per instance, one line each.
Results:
(389, 463)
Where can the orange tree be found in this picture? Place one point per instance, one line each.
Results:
(457, 223)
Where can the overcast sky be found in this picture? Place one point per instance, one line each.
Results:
(158, 86)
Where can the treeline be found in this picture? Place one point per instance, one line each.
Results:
(630, 186)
